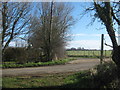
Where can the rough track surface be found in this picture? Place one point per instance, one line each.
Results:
(72, 66)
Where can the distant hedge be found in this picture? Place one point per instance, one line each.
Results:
(21, 55)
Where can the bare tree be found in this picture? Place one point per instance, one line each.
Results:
(50, 28)
(15, 18)
(107, 13)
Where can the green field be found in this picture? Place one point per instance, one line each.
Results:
(89, 53)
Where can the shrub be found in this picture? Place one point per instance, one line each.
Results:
(102, 76)
(22, 55)
(105, 75)
(13, 54)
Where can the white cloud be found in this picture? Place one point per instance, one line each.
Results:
(82, 34)
(87, 44)
(76, 35)
(84, 43)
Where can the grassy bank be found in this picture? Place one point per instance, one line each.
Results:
(33, 64)
(102, 76)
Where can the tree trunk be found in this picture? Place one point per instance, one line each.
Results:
(109, 26)
(116, 56)
(116, 59)
(111, 32)
(106, 16)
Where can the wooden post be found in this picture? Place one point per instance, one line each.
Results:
(84, 52)
(105, 53)
(102, 40)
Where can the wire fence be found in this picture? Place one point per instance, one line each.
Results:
(89, 53)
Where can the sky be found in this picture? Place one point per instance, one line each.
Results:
(85, 35)
(82, 33)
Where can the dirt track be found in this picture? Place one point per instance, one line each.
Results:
(72, 66)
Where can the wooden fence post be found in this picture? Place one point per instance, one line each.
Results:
(102, 40)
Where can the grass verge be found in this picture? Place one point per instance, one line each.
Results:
(32, 64)
(34, 81)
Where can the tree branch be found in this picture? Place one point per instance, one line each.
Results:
(108, 45)
(114, 17)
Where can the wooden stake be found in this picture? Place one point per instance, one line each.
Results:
(102, 40)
